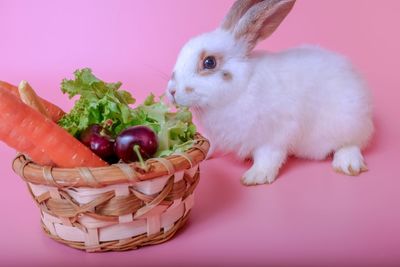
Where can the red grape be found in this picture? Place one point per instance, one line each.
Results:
(141, 137)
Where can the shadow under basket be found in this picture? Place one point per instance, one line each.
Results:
(119, 207)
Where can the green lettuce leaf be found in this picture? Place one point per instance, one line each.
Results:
(99, 103)
(105, 104)
(173, 128)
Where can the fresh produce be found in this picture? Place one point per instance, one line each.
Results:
(29, 97)
(99, 103)
(11, 137)
(28, 126)
(104, 104)
(102, 126)
(52, 110)
(136, 143)
(100, 142)
(175, 130)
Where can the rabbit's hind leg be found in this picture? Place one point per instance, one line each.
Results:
(349, 160)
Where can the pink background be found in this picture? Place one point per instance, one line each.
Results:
(310, 216)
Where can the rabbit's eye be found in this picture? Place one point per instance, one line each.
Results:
(209, 63)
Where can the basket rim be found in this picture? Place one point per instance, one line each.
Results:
(96, 177)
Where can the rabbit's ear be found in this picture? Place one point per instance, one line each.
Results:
(261, 20)
(238, 9)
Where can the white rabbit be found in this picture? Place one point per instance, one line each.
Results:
(306, 101)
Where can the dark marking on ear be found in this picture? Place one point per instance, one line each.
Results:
(227, 76)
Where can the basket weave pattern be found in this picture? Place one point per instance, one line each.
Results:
(115, 208)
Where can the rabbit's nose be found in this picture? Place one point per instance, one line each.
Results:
(172, 91)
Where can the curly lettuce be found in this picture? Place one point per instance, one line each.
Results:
(105, 104)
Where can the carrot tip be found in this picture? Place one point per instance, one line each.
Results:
(22, 84)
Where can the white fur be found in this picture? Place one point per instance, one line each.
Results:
(306, 102)
(349, 160)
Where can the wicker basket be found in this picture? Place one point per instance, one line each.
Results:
(115, 208)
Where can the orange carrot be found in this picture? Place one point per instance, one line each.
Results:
(12, 139)
(25, 123)
(54, 111)
(29, 97)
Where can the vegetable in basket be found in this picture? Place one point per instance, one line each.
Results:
(105, 105)
(31, 133)
(52, 110)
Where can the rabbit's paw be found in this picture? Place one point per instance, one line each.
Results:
(267, 162)
(349, 161)
(257, 175)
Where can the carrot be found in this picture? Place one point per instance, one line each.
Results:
(29, 97)
(25, 123)
(54, 111)
(13, 140)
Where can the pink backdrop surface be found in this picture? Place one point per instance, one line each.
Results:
(310, 216)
